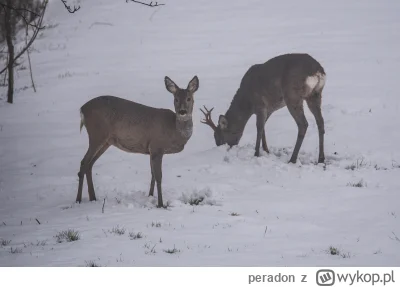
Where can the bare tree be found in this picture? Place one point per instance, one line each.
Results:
(30, 13)
(14, 13)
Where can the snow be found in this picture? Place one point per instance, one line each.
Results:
(255, 211)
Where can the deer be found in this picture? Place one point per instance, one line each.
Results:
(285, 80)
(136, 128)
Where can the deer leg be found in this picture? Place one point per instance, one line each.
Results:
(81, 177)
(156, 159)
(89, 179)
(297, 112)
(153, 179)
(81, 174)
(261, 118)
(314, 104)
(264, 139)
(264, 142)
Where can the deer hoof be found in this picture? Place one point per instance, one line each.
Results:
(257, 154)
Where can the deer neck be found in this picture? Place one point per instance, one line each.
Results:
(239, 112)
(184, 127)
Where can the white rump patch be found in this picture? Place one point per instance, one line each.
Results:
(316, 82)
(82, 121)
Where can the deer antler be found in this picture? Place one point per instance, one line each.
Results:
(207, 120)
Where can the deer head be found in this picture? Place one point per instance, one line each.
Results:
(223, 134)
(183, 101)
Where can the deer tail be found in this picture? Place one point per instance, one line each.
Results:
(82, 121)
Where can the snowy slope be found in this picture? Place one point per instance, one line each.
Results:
(287, 215)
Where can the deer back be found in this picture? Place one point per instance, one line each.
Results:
(131, 126)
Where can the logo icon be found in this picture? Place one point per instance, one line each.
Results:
(325, 277)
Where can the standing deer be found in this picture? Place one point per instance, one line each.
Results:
(285, 80)
(136, 128)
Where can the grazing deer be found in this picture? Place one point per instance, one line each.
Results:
(285, 80)
(136, 128)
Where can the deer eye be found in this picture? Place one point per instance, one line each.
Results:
(176, 100)
(188, 99)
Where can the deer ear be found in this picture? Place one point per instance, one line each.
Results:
(170, 85)
(222, 122)
(193, 85)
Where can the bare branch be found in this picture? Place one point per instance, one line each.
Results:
(19, 11)
(395, 237)
(36, 32)
(27, 22)
(29, 61)
(151, 4)
(68, 7)
(16, 9)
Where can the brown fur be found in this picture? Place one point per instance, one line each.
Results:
(285, 80)
(136, 128)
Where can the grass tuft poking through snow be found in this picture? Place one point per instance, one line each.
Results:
(150, 249)
(67, 236)
(156, 224)
(337, 252)
(41, 242)
(135, 235)
(395, 164)
(15, 250)
(91, 263)
(198, 197)
(4, 242)
(118, 230)
(360, 183)
(360, 163)
(172, 251)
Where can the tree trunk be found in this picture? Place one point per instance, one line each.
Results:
(8, 30)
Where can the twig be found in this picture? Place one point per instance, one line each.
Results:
(69, 9)
(37, 221)
(4, 223)
(147, 4)
(29, 61)
(265, 232)
(5, 76)
(395, 237)
(27, 22)
(102, 209)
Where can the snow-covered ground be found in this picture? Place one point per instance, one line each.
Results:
(256, 211)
